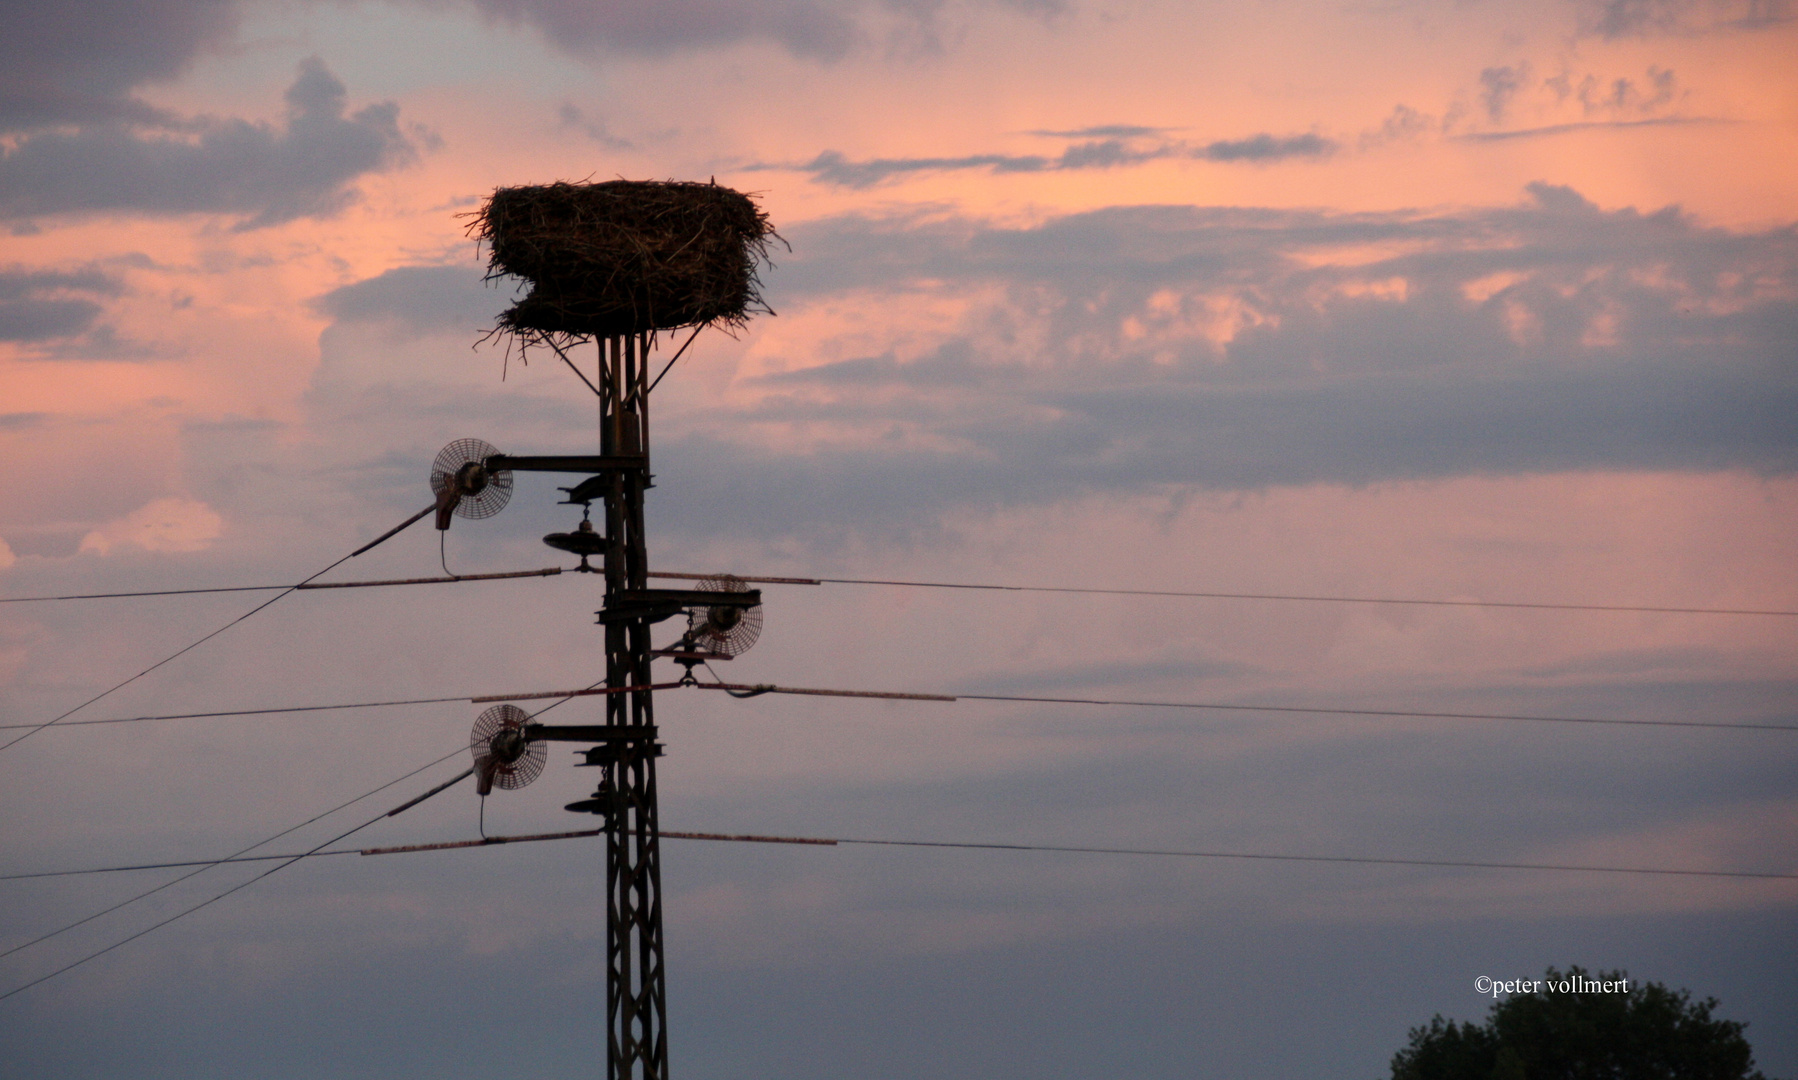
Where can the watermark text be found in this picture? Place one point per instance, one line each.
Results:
(1573, 984)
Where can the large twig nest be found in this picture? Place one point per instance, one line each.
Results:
(625, 256)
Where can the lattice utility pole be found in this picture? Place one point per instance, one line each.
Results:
(636, 999)
(625, 745)
(615, 262)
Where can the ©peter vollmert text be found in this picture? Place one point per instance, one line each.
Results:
(1573, 984)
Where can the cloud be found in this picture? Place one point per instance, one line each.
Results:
(815, 29)
(424, 299)
(168, 524)
(1148, 348)
(831, 167)
(1616, 96)
(78, 60)
(40, 304)
(1104, 131)
(266, 174)
(1585, 125)
(820, 31)
(569, 115)
(1498, 85)
(1267, 148)
(1401, 125)
(1615, 19)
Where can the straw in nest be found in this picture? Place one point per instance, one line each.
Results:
(625, 256)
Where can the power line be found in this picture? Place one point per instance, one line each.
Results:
(835, 841)
(189, 911)
(1188, 594)
(1350, 859)
(1314, 598)
(306, 585)
(246, 712)
(34, 730)
(1733, 725)
(756, 689)
(239, 857)
(203, 865)
(746, 690)
(528, 696)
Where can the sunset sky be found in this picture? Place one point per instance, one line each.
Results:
(1455, 301)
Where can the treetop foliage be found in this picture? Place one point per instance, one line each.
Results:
(1648, 1033)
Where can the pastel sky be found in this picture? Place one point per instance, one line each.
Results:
(1439, 300)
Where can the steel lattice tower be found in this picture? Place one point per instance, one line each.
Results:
(636, 1003)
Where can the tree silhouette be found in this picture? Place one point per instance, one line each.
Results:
(1557, 1031)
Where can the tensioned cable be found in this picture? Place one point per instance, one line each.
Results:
(304, 586)
(1189, 594)
(482, 700)
(757, 689)
(1310, 598)
(214, 899)
(748, 690)
(235, 857)
(1354, 859)
(834, 841)
(290, 860)
(187, 648)
(1401, 713)
(210, 900)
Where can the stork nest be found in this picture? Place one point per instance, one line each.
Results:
(625, 256)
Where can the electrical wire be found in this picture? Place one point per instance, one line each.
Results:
(248, 712)
(258, 712)
(210, 900)
(1400, 713)
(305, 586)
(1350, 859)
(757, 689)
(164, 866)
(234, 857)
(290, 860)
(187, 911)
(972, 845)
(743, 690)
(1297, 597)
(1636, 608)
(39, 727)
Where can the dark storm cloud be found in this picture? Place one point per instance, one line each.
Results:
(1550, 336)
(265, 173)
(426, 299)
(39, 304)
(831, 167)
(79, 60)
